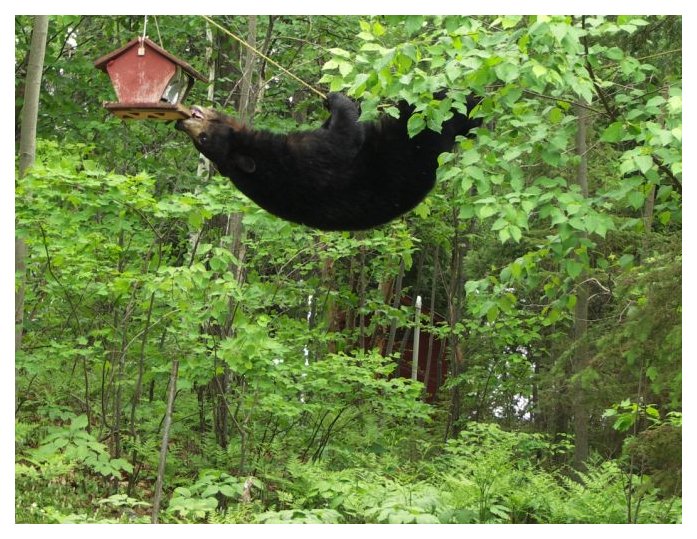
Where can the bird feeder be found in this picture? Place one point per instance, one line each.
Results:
(150, 83)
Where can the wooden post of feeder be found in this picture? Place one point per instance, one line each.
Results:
(149, 82)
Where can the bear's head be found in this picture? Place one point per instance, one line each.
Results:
(214, 135)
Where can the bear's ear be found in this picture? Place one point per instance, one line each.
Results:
(245, 163)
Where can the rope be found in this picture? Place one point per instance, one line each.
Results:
(145, 28)
(279, 66)
(157, 26)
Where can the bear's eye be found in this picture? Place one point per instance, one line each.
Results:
(202, 138)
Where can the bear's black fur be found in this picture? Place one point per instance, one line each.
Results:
(347, 175)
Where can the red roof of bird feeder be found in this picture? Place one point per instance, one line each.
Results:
(140, 71)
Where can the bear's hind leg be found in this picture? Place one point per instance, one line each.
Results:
(344, 121)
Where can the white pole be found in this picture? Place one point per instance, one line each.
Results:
(415, 351)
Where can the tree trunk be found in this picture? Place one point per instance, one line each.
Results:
(396, 299)
(30, 110)
(580, 354)
(362, 299)
(454, 298)
(204, 165)
(431, 314)
(234, 232)
(27, 150)
(157, 498)
(247, 100)
(27, 154)
(651, 194)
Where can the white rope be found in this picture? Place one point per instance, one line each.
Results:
(159, 36)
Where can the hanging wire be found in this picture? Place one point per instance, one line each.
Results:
(279, 66)
(145, 27)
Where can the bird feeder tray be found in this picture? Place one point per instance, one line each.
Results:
(149, 82)
(148, 111)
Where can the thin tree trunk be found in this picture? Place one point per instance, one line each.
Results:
(395, 305)
(234, 232)
(157, 498)
(651, 195)
(454, 311)
(580, 354)
(27, 151)
(204, 165)
(333, 313)
(30, 111)
(361, 300)
(431, 316)
(137, 393)
(536, 414)
(247, 101)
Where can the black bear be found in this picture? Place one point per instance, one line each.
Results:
(347, 175)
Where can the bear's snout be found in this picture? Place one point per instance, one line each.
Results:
(197, 112)
(193, 125)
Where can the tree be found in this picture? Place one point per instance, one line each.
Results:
(27, 148)
(580, 354)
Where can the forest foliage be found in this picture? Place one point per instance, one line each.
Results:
(550, 274)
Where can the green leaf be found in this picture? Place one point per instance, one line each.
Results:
(499, 224)
(504, 234)
(510, 21)
(453, 71)
(555, 115)
(413, 23)
(613, 133)
(422, 211)
(507, 72)
(551, 156)
(79, 422)
(426, 518)
(643, 162)
(121, 464)
(378, 29)
(470, 157)
(636, 199)
(571, 302)
(345, 68)
(516, 270)
(614, 53)
(516, 233)
(528, 206)
(656, 101)
(574, 268)
(336, 84)
(230, 491)
(675, 104)
(217, 264)
(416, 124)
(486, 211)
(492, 313)
(664, 217)
(341, 52)
(539, 70)
(651, 411)
(624, 422)
(626, 261)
